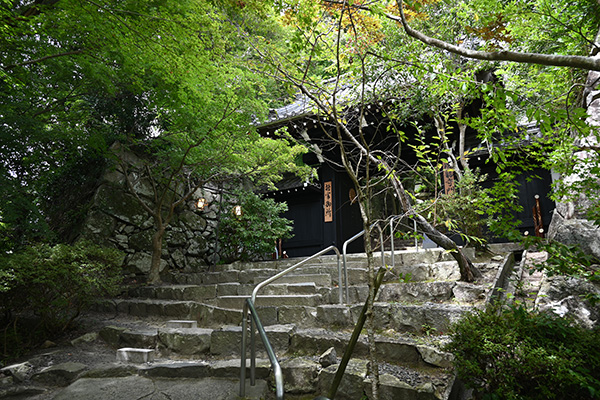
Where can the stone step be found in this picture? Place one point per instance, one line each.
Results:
(460, 293)
(175, 292)
(439, 271)
(182, 324)
(406, 257)
(251, 277)
(209, 292)
(394, 349)
(236, 302)
(303, 377)
(167, 380)
(416, 292)
(395, 383)
(135, 355)
(321, 275)
(427, 318)
(285, 339)
(323, 280)
(205, 314)
(443, 271)
(237, 289)
(357, 293)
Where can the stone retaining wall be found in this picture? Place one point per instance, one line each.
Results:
(117, 219)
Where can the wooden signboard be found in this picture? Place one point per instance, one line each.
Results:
(328, 201)
(538, 223)
(448, 179)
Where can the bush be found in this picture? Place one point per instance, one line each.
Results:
(510, 353)
(566, 260)
(252, 235)
(54, 284)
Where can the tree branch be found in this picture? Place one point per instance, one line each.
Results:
(583, 62)
(37, 60)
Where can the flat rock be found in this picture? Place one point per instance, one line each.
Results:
(21, 392)
(579, 232)
(19, 372)
(60, 374)
(185, 341)
(435, 357)
(87, 338)
(111, 371)
(328, 358)
(351, 386)
(299, 375)
(112, 335)
(136, 387)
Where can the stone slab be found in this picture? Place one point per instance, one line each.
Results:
(183, 324)
(60, 374)
(236, 302)
(135, 356)
(185, 341)
(137, 387)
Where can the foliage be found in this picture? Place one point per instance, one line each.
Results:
(172, 81)
(57, 282)
(566, 260)
(471, 206)
(509, 353)
(253, 234)
(528, 91)
(464, 210)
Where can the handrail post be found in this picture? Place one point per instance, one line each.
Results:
(416, 239)
(344, 252)
(270, 352)
(252, 354)
(381, 245)
(243, 353)
(392, 240)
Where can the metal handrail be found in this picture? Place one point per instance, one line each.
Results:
(295, 266)
(353, 238)
(389, 221)
(249, 306)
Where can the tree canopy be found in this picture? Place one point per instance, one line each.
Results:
(519, 62)
(76, 76)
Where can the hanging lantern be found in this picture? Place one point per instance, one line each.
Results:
(201, 203)
(237, 211)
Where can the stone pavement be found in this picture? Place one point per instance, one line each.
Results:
(138, 387)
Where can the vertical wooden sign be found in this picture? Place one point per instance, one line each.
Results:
(448, 179)
(538, 223)
(328, 201)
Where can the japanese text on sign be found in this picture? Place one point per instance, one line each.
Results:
(328, 202)
(448, 179)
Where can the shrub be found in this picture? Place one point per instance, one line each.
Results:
(54, 284)
(252, 235)
(510, 353)
(566, 260)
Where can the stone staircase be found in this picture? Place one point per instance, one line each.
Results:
(192, 324)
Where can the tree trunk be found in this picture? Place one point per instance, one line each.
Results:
(157, 239)
(468, 272)
(365, 209)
